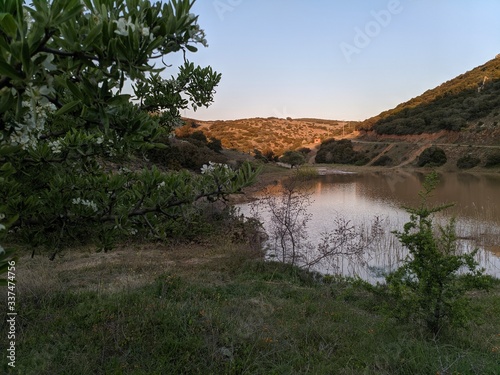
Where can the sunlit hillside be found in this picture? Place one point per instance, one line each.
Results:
(271, 134)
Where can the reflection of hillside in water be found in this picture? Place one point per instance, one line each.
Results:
(474, 196)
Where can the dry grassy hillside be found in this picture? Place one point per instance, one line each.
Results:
(271, 134)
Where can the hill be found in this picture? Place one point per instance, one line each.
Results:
(270, 134)
(471, 99)
(461, 116)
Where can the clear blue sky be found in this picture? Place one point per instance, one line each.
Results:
(338, 59)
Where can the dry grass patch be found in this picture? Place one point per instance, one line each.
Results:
(126, 268)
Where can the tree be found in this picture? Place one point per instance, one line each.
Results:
(287, 220)
(339, 152)
(68, 127)
(432, 157)
(468, 161)
(293, 158)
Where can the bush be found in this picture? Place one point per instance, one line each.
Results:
(493, 160)
(383, 161)
(184, 155)
(293, 158)
(432, 157)
(304, 150)
(430, 286)
(199, 135)
(339, 152)
(467, 162)
(215, 145)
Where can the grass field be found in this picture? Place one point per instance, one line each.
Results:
(217, 308)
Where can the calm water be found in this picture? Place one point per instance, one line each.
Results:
(361, 198)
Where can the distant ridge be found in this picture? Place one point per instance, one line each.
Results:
(271, 134)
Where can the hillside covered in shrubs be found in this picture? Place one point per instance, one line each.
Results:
(272, 134)
(451, 106)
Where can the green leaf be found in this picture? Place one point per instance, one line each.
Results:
(93, 35)
(67, 107)
(8, 24)
(9, 71)
(119, 99)
(6, 102)
(26, 58)
(160, 146)
(68, 14)
(6, 168)
(191, 48)
(75, 90)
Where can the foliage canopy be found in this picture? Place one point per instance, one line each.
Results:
(339, 152)
(69, 129)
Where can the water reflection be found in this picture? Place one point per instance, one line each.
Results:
(474, 196)
(362, 197)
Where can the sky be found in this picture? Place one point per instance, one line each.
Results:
(337, 59)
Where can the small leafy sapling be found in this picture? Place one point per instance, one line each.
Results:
(430, 287)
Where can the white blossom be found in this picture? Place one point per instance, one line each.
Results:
(55, 146)
(205, 169)
(27, 132)
(47, 63)
(85, 202)
(211, 167)
(122, 26)
(198, 35)
(124, 170)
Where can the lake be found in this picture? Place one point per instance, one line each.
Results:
(362, 198)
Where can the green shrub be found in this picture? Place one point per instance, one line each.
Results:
(383, 161)
(199, 135)
(339, 152)
(293, 158)
(215, 145)
(190, 155)
(430, 286)
(466, 162)
(304, 150)
(493, 160)
(432, 157)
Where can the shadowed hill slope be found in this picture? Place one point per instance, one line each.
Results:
(452, 106)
